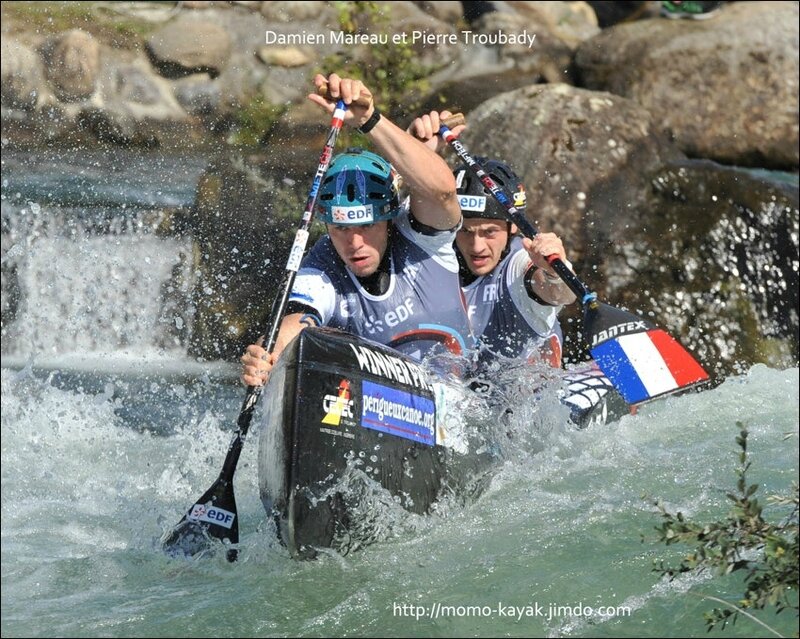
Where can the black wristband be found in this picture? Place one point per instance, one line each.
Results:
(528, 280)
(370, 124)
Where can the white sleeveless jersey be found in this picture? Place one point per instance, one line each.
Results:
(505, 319)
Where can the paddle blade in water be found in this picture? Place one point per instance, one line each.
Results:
(212, 519)
(642, 361)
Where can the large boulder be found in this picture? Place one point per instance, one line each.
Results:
(486, 66)
(570, 22)
(20, 76)
(726, 88)
(72, 65)
(708, 252)
(138, 108)
(189, 45)
(583, 156)
(713, 255)
(242, 223)
(198, 94)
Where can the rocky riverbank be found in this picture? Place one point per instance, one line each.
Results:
(612, 130)
(175, 73)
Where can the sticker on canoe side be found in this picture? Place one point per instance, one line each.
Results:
(338, 408)
(398, 412)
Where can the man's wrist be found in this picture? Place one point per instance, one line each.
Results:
(555, 278)
(371, 122)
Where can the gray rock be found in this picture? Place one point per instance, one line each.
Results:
(288, 12)
(548, 55)
(189, 45)
(570, 22)
(444, 10)
(198, 94)
(482, 72)
(21, 76)
(583, 156)
(237, 207)
(72, 64)
(136, 85)
(713, 254)
(144, 95)
(199, 4)
(727, 88)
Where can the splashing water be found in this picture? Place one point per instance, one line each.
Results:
(97, 465)
(86, 498)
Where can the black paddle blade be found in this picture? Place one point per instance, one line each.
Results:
(212, 519)
(642, 361)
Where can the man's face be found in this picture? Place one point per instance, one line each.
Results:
(360, 247)
(481, 243)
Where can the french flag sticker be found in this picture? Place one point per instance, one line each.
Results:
(647, 364)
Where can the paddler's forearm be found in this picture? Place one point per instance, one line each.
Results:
(425, 173)
(550, 290)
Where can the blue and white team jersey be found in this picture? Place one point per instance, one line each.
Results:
(504, 317)
(421, 307)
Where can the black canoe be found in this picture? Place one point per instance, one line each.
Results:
(339, 406)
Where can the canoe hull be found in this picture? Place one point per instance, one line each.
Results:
(349, 423)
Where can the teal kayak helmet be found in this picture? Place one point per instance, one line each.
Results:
(477, 201)
(359, 188)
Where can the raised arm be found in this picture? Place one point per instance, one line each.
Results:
(430, 182)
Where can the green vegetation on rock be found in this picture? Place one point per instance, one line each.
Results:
(254, 121)
(391, 71)
(47, 18)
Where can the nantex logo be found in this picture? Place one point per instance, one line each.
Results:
(619, 329)
(338, 406)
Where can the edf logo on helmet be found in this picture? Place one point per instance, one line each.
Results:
(478, 202)
(472, 202)
(352, 214)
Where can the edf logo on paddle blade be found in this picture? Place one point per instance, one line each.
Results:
(212, 515)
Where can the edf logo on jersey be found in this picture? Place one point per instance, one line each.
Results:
(392, 318)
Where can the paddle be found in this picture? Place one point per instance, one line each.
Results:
(641, 361)
(214, 515)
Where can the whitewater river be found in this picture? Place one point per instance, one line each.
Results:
(91, 479)
(109, 432)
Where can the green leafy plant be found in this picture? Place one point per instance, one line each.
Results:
(105, 21)
(254, 121)
(391, 70)
(766, 553)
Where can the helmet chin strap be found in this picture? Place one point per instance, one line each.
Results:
(508, 241)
